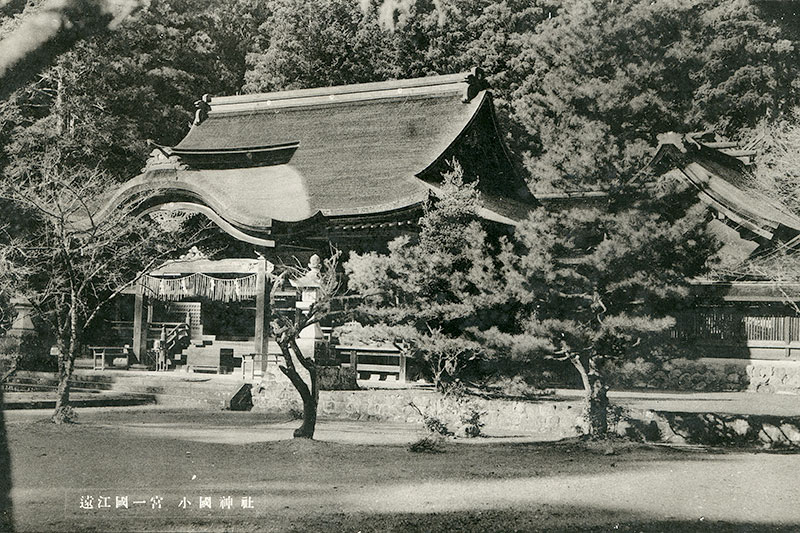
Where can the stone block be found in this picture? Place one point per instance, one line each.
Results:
(792, 433)
(740, 426)
(772, 436)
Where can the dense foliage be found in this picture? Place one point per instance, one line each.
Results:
(589, 286)
(603, 284)
(583, 87)
(432, 297)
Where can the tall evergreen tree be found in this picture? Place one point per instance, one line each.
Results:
(433, 296)
(603, 284)
(602, 80)
(101, 101)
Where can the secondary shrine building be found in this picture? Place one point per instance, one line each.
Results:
(285, 175)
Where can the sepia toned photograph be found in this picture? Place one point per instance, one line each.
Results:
(400, 266)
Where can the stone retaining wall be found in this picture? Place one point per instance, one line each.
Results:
(712, 429)
(547, 419)
(709, 374)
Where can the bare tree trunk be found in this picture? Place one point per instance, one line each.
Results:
(310, 397)
(309, 409)
(65, 367)
(66, 363)
(595, 395)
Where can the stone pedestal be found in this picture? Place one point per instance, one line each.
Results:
(21, 340)
(23, 325)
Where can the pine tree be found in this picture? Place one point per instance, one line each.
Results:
(604, 284)
(432, 296)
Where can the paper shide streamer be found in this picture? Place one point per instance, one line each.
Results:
(199, 284)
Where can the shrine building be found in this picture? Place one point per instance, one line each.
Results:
(287, 174)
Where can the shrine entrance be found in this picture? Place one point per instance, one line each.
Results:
(202, 315)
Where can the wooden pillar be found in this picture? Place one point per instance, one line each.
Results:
(262, 314)
(787, 336)
(402, 377)
(140, 326)
(354, 361)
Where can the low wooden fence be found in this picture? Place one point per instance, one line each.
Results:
(374, 362)
(740, 333)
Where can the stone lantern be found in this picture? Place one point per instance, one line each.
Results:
(20, 337)
(23, 325)
(311, 339)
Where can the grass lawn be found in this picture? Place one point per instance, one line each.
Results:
(360, 477)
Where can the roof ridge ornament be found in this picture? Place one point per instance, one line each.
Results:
(162, 158)
(202, 108)
(476, 82)
(673, 138)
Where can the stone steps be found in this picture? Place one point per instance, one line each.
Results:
(28, 382)
(182, 394)
(46, 400)
(169, 388)
(31, 387)
(37, 390)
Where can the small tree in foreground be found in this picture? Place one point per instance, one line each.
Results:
(287, 326)
(604, 284)
(68, 260)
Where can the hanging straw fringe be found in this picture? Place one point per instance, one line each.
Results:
(198, 284)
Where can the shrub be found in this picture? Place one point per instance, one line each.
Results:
(28, 353)
(471, 420)
(436, 426)
(426, 444)
(433, 424)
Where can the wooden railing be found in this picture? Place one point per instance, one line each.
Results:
(372, 361)
(177, 338)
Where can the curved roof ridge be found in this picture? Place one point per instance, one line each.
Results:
(718, 169)
(429, 85)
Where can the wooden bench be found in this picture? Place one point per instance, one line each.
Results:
(103, 353)
(372, 362)
(204, 368)
(203, 360)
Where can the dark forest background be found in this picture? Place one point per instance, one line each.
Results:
(583, 88)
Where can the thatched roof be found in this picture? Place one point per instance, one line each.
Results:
(344, 151)
(720, 172)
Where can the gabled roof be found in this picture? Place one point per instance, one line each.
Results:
(720, 172)
(345, 151)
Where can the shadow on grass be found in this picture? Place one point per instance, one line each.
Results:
(108, 455)
(538, 518)
(306, 475)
